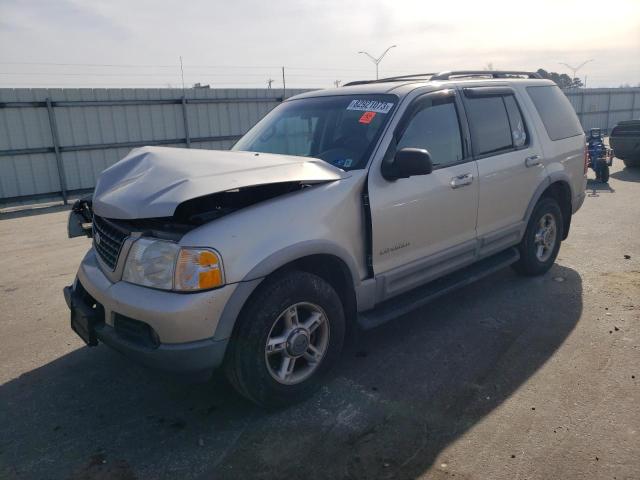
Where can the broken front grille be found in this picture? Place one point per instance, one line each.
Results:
(107, 240)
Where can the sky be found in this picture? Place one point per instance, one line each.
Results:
(244, 43)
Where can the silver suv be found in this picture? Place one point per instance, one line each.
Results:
(341, 209)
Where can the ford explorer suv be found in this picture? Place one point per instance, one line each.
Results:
(341, 209)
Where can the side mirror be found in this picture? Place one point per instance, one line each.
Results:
(407, 163)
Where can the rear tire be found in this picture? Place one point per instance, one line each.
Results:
(541, 242)
(604, 174)
(287, 337)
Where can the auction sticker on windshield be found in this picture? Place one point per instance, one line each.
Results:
(367, 117)
(370, 106)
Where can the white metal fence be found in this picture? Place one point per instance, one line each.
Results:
(59, 140)
(605, 107)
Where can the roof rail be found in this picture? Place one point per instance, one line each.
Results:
(400, 78)
(448, 75)
(484, 73)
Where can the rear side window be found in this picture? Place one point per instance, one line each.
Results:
(518, 129)
(556, 112)
(489, 124)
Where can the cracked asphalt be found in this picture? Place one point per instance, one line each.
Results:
(509, 378)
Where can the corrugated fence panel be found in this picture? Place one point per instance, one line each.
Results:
(21, 129)
(605, 107)
(89, 133)
(92, 136)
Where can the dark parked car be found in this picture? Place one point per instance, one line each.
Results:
(625, 141)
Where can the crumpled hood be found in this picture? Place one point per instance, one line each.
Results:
(152, 181)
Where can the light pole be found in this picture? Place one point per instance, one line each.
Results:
(575, 69)
(379, 59)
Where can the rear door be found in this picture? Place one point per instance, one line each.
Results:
(424, 226)
(510, 164)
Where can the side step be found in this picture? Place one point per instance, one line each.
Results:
(406, 302)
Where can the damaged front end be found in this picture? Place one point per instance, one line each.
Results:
(188, 214)
(201, 210)
(80, 219)
(164, 193)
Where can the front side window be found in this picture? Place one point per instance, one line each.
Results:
(341, 130)
(436, 129)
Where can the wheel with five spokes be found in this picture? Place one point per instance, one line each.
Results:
(288, 335)
(541, 242)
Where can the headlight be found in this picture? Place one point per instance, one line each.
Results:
(151, 263)
(164, 265)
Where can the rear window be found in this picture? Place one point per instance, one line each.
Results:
(556, 112)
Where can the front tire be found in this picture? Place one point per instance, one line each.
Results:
(604, 174)
(287, 337)
(541, 242)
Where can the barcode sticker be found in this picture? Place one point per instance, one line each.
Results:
(370, 106)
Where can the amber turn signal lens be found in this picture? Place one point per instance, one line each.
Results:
(198, 269)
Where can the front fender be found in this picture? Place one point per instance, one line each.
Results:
(297, 251)
(269, 265)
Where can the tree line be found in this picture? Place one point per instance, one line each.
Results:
(561, 79)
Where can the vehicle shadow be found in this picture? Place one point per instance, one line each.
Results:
(594, 187)
(400, 394)
(627, 174)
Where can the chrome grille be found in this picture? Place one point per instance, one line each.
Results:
(107, 240)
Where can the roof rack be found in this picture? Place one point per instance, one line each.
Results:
(400, 78)
(449, 75)
(485, 73)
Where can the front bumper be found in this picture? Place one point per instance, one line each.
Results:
(165, 330)
(189, 357)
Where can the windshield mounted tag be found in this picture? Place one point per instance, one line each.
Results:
(370, 106)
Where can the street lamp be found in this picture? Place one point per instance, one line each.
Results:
(575, 69)
(379, 59)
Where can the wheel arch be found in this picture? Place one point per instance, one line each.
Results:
(558, 188)
(328, 261)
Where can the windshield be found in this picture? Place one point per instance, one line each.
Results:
(341, 130)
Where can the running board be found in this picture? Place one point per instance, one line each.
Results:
(406, 302)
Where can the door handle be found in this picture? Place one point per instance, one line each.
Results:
(532, 161)
(461, 180)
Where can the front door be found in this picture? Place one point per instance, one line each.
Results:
(424, 226)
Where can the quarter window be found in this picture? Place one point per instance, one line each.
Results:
(436, 129)
(559, 119)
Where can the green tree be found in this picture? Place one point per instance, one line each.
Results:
(561, 79)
